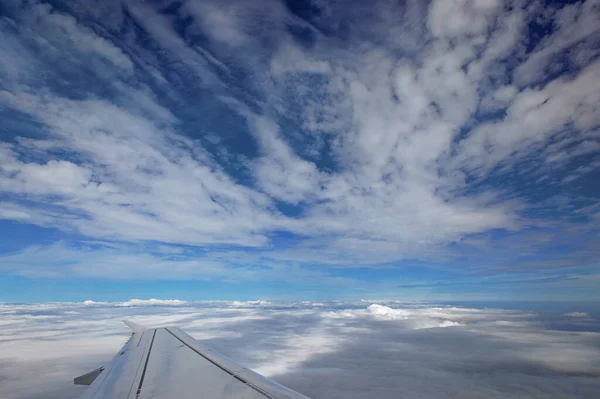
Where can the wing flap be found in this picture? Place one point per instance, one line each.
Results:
(88, 378)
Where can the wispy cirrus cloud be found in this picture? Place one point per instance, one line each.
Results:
(327, 134)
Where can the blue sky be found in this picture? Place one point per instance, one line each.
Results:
(444, 150)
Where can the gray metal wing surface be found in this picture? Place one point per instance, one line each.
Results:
(161, 363)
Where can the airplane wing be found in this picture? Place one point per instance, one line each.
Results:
(164, 363)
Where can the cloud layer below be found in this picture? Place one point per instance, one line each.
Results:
(324, 350)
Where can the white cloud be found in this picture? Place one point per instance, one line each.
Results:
(143, 182)
(224, 24)
(574, 40)
(387, 313)
(378, 143)
(139, 302)
(492, 353)
(90, 302)
(152, 301)
(461, 17)
(535, 116)
(577, 314)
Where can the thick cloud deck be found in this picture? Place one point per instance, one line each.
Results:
(324, 350)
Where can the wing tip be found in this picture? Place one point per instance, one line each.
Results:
(135, 328)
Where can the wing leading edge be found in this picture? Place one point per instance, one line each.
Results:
(161, 363)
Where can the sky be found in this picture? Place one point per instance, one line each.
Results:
(299, 150)
(361, 349)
